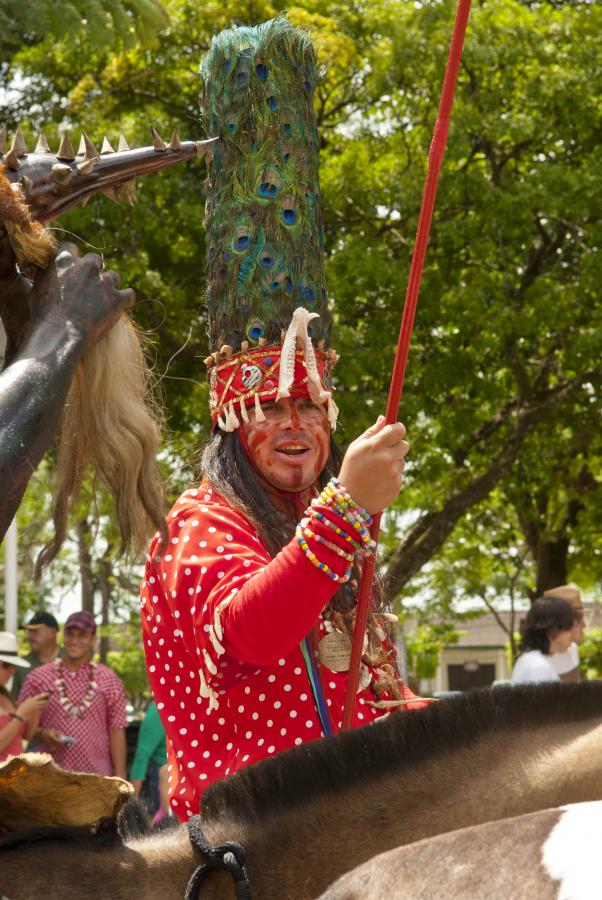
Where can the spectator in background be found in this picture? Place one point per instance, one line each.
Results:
(83, 725)
(547, 630)
(567, 664)
(42, 635)
(16, 722)
(149, 749)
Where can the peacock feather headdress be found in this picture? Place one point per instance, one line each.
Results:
(266, 295)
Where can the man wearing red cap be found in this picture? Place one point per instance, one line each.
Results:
(248, 608)
(83, 725)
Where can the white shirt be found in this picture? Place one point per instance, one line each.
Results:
(533, 666)
(567, 661)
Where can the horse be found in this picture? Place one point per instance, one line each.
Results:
(307, 816)
(551, 854)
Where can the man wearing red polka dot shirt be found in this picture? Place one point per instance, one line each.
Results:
(247, 607)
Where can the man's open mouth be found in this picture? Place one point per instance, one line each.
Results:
(292, 449)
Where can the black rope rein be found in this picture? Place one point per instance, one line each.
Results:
(229, 856)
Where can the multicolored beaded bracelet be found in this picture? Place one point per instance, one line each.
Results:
(308, 533)
(324, 567)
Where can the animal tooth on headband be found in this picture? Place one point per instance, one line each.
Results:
(42, 145)
(232, 421)
(243, 411)
(123, 144)
(18, 144)
(3, 137)
(158, 142)
(106, 146)
(333, 414)
(221, 422)
(65, 150)
(175, 142)
(259, 415)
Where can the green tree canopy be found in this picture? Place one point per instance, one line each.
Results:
(502, 394)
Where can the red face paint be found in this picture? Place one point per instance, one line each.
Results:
(291, 447)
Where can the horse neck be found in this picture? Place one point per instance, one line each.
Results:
(298, 852)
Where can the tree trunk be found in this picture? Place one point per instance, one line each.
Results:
(85, 565)
(431, 531)
(104, 583)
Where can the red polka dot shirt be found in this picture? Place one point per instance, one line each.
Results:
(222, 624)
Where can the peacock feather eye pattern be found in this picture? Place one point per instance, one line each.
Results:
(263, 214)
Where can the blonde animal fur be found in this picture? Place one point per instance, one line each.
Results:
(110, 424)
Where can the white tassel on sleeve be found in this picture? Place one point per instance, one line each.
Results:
(211, 667)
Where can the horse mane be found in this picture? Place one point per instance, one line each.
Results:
(398, 743)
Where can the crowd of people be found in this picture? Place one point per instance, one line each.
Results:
(58, 700)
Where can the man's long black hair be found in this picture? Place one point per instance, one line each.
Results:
(225, 464)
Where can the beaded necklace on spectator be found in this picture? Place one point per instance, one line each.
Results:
(75, 709)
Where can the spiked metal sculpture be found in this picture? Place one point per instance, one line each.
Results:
(53, 183)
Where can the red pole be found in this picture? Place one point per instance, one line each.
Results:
(435, 159)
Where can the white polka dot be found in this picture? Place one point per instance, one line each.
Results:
(281, 662)
(191, 764)
(247, 690)
(261, 698)
(160, 705)
(246, 563)
(332, 684)
(248, 735)
(298, 741)
(152, 668)
(220, 574)
(241, 708)
(269, 723)
(303, 697)
(288, 687)
(255, 716)
(271, 749)
(260, 742)
(277, 704)
(309, 723)
(206, 754)
(175, 540)
(187, 571)
(194, 743)
(181, 523)
(245, 757)
(212, 529)
(218, 763)
(283, 731)
(298, 671)
(229, 746)
(293, 714)
(220, 549)
(271, 678)
(203, 777)
(183, 731)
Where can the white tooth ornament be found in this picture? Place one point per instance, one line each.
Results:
(333, 414)
(217, 624)
(259, 416)
(232, 421)
(209, 663)
(243, 411)
(298, 329)
(205, 689)
(221, 422)
(216, 644)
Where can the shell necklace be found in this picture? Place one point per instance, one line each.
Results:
(75, 709)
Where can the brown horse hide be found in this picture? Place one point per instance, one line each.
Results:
(313, 813)
(546, 855)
